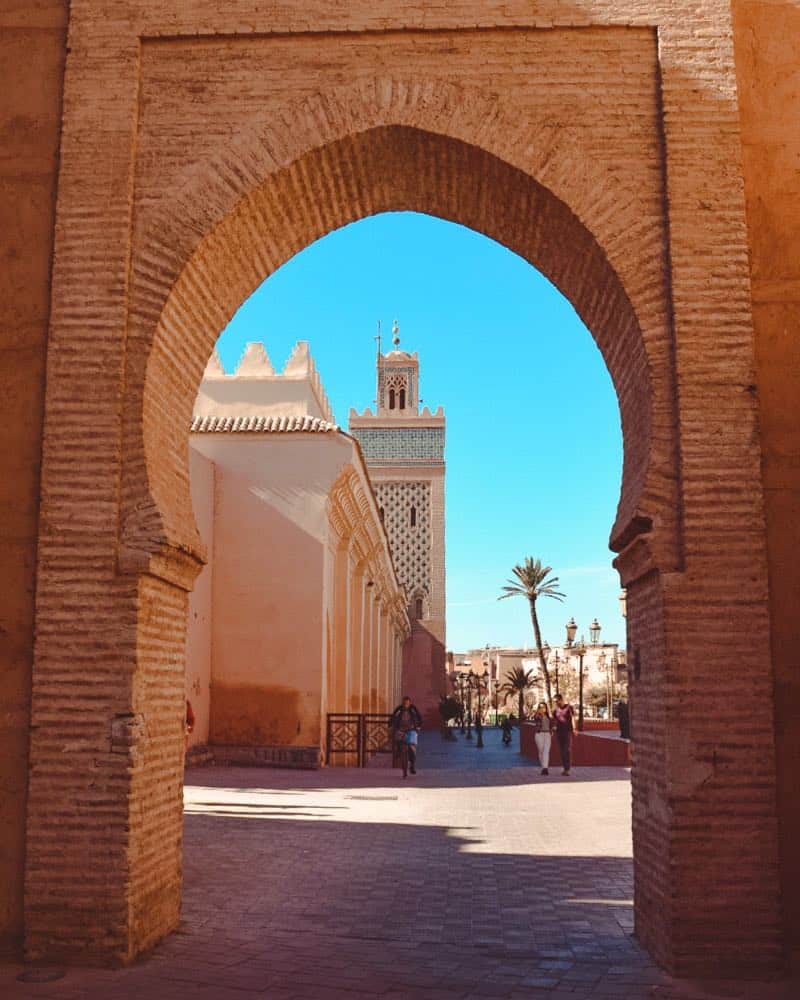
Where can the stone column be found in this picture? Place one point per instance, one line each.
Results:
(384, 661)
(373, 652)
(341, 630)
(356, 659)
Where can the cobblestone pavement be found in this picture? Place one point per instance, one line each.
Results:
(476, 878)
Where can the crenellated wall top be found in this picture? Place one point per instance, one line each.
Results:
(256, 389)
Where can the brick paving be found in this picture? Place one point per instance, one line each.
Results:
(477, 878)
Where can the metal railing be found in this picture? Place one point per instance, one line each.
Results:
(359, 734)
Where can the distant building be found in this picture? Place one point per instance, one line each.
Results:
(299, 611)
(404, 449)
(603, 667)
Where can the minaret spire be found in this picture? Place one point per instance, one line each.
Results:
(396, 334)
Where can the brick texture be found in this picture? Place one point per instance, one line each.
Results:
(768, 74)
(32, 54)
(203, 145)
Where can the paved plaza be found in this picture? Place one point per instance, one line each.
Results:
(476, 878)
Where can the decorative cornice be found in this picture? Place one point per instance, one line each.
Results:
(353, 515)
(261, 425)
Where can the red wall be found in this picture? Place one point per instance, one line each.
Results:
(587, 750)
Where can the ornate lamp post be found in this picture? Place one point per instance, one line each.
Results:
(580, 652)
(461, 679)
(605, 665)
(468, 690)
(455, 680)
(594, 640)
(479, 720)
(572, 628)
(545, 651)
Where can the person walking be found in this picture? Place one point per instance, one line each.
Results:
(543, 725)
(405, 722)
(563, 716)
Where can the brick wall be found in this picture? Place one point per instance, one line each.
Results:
(768, 73)
(202, 147)
(32, 53)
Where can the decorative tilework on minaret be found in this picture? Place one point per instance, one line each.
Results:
(403, 446)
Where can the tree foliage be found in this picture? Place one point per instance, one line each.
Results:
(532, 581)
(517, 682)
(449, 708)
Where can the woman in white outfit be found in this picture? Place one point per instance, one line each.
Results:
(544, 735)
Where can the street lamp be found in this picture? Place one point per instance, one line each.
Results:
(468, 702)
(606, 666)
(461, 677)
(479, 720)
(545, 657)
(580, 652)
(472, 683)
(623, 603)
(594, 632)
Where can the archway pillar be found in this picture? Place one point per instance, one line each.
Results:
(697, 770)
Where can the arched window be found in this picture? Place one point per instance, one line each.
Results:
(417, 608)
(413, 517)
(391, 399)
(402, 399)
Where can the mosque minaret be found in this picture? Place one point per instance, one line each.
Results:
(403, 447)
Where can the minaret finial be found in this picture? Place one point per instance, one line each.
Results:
(396, 334)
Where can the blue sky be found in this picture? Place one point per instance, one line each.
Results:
(534, 446)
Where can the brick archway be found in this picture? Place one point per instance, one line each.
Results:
(443, 150)
(112, 591)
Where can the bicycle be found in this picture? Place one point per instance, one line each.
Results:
(404, 742)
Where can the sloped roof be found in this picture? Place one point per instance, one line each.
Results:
(262, 425)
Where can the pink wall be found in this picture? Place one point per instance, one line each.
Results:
(278, 646)
(267, 641)
(270, 535)
(424, 672)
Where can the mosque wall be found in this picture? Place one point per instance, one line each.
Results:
(269, 533)
(268, 617)
(268, 632)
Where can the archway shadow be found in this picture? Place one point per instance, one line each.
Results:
(424, 908)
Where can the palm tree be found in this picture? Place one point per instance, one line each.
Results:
(517, 682)
(532, 582)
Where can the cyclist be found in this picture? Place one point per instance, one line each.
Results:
(405, 720)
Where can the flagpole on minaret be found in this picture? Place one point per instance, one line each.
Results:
(378, 369)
